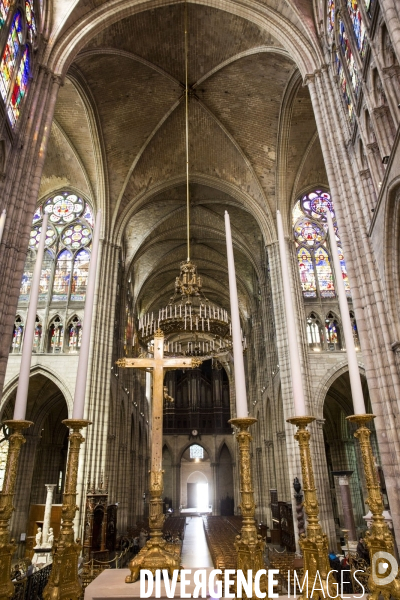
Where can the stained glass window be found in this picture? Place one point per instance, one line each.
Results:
(324, 273)
(26, 282)
(37, 335)
(196, 451)
(64, 208)
(358, 26)
(307, 275)
(331, 16)
(74, 335)
(332, 332)
(309, 230)
(45, 276)
(62, 276)
(30, 20)
(4, 8)
(20, 85)
(51, 236)
(348, 56)
(343, 86)
(313, 331)
(80, 275)
(10, 55)
(56, 336)
(18, 333)
(76, 236)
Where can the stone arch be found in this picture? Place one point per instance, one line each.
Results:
(12, 385)
(306, 53)
(391, 262)
(209, 451)
(330, 377)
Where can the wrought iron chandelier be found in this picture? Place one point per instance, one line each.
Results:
(192, 325)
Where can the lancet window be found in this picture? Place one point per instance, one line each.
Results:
(314, 330)
(74, 335)
(313, 253)
(18, 334)
(355, 330)
(37, 337)
(15, 64)
(332, 332)
(358, 26)
(56, 336)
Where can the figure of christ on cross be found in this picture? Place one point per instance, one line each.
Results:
(156, 554)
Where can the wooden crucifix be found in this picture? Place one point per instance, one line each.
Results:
(157, 554)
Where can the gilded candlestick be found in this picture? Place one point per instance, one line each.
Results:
(7, 546)
(314, 542)
(64, 582)
(249, 544)
(378, 539)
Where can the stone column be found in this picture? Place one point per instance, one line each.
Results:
(348, 514)
(216, 506)
(47, 511)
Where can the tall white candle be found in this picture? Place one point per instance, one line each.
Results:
(355, 382)
(2, 222)
(240, 383)
(297, 382)
(81, 376)
(25, 368)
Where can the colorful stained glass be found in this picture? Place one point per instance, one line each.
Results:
(307, 275)
(10, 55)
(26, 282)
(316, 204)
(64, 207)
(37, 336)
(331, 332)
(80, 275)
(19, 90)
(309, 232)
(62, 276)
(56, 336)
(324, 273)
(76, 236)
(4, 8)
(17, 335)
(344, 272)
(38, 215)
(74, 335)
(30, 20)
(348, 56)
(45, 276)
(358, 26)
(51, 236)
(343, 87)
(331, 16)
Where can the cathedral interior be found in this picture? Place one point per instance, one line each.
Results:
(289, 105)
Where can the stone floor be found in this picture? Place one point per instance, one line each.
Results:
(195, 551)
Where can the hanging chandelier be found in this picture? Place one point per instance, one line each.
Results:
(192, 325)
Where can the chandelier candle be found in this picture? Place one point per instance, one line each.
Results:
(23, 381)
(355, 382)
(81, 376)
(297, 385)
(240, 384)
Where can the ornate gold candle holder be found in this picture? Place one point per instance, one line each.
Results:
(157, 553)
(378, 538)
(314, 542)
(7, 546)
(249, 544)
(64, 582)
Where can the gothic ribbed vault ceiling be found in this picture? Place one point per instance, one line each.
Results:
(118, 137)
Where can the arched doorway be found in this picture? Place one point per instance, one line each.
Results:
(343, 453)
(196, 479)
(43, 457)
